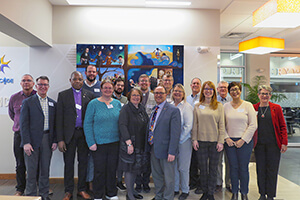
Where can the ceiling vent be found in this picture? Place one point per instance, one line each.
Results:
(236, 35)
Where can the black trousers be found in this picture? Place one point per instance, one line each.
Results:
(267, 165)
(20, 163)
(194, 175)
(105, 166)
(143, 178)
(77, 142)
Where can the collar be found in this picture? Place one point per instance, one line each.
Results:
(77, 91)
(195, 95)
(32, 93)
(40, 98)
(117, 97)
(91, 84)
(162, 104)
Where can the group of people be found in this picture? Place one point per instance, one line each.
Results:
(180, 139)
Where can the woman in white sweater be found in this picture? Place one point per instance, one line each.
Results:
(240, 124)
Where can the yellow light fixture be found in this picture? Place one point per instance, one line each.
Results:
(278, 14)
(261, 45)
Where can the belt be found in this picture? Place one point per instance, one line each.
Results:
(78, 128)
(47, 131)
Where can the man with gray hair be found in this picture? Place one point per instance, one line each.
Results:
(223, 97)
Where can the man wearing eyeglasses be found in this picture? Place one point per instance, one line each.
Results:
(168, 82)
(71, 107)
(162, 142)
(223, 97)
(14, 110)
(38, 138)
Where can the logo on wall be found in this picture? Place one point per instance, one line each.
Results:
(3, 65)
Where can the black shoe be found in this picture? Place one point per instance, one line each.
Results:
(153, 198)
(146, 188)
(235, 196)
(176, 193)
(138, 188)
(192, 187)
(218, 188)
(262, 197)
(198, 191)
(245, 197)
(183, 196)
(228, 188)
(120, 186)
(204, 196)
(138, 196)
(127, 197)
(210, 197)
(270, 198)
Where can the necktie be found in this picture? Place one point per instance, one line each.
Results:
(150, 136)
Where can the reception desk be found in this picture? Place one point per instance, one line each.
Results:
(6, 197)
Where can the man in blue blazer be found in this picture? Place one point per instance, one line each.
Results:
(163, 140)
(37, 121)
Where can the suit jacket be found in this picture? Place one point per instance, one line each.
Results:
(32, 122)
(66, 113)
(166, 133)
(278, 124)
(150, 103)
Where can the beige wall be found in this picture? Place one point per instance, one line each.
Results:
(257, 65)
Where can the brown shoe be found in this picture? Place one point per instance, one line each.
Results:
(18, 193)
(50, 191)
(67, 196)
(84, 195)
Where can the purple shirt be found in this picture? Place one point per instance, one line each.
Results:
(14, 108)
(77, 98)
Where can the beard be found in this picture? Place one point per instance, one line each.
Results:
(118, 91)
(91, 79)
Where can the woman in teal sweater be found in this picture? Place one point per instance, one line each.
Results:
(102, 136)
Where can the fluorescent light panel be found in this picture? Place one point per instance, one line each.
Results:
(261, 50)
(169, 3)
(235, 56)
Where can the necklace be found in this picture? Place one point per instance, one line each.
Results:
(263, 113)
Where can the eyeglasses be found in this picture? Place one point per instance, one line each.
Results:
(159, 93)
(144, 81)
(26, 80)
(265, 94)
(167, 80)
(42, 85)
(179, 91)
(234, 89)
(135, 95)
(222, 87)
(107, 88)
(208, 89)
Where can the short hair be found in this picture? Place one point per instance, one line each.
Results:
(168, 76)
(118, 80)
(181, 87)
(196, 78)
(233, 84)
(162, 87)
(135, 89)
(222, 82)
(42, 78)
(28, 75)
(106, 81)
(90, 65)
(143, 76)
(266, 87)
(75, 72)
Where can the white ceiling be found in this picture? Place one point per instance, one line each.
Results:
(236, 17)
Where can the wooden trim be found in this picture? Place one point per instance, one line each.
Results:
(7, 176)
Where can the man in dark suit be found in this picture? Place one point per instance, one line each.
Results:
(38, 136)
(71, 107)
(163, 140)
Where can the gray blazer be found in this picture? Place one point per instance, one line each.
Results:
(166, 133)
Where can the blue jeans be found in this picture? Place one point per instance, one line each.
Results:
(239, 159)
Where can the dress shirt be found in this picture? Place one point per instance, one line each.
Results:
(122, 99)
(77, 98)
(145, 98)
(45, 108)
(193, 99)
(186, 112)
(14, 108)
(160, 107)
(224, 100)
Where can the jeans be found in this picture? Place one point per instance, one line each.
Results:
(239, 159)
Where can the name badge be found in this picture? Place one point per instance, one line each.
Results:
(202, 107)
(78, 106)
(240, 110)
(51, 104)
(122, 104)
(96, 90)
(109, 106)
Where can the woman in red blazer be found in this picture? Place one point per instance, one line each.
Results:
(270, 140)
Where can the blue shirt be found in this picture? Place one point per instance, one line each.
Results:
(193, 99)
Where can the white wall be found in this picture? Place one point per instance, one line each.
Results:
(72, 25)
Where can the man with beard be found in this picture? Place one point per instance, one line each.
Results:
(119, 88)
(148, 101)
(91, 84)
